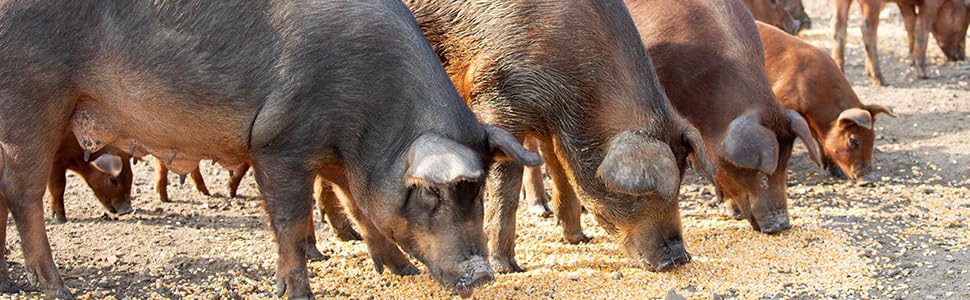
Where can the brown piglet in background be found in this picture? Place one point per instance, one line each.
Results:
(774, 13)
(805, 79)
(107, 172)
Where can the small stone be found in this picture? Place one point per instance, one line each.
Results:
(672, 295)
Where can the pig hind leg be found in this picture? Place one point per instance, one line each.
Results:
(840, 25)
(564, 200)
(329, 206)
(870, 34)
(161, 180)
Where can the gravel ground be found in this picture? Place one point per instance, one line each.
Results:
(907, 237)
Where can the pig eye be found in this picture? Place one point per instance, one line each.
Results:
(113, 181)
(854, 143)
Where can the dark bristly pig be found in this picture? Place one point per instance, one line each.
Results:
(575, 76)
(347, 90)
(107, 172)
(714, 73)
(805, 79)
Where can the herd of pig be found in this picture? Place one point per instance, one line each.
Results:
(417, 123)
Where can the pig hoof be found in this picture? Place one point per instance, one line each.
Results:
(735, 213)
(347, 234)
(60, 220)
(407, 270)
(312, 254)
(165, 199)
(59, 293)
(505, 266)
(540, 210)
(577, 238)
(8, 287)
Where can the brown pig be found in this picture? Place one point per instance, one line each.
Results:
(774, 13)
(805, 79)
(714, 74)
(950, 28)
(107, 172)
(575, 76)
(919, 17)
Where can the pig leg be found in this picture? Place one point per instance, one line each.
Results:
(532, 181)
(840, 25)
(55, 186)
(329, 206)
(287, 189)
(870, 33)
(6, 285)
(909, 19)
(22, 190)
(161, 180)
(199, 181)
(312, 253)
(924, 22)
(564, 200)
(382, 251)
(503, 186)
(236, 177)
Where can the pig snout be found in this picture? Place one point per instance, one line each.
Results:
(124, 209)
(477, 272)
(675, 256)
(771, 223)
(866, 180)
(796, 26)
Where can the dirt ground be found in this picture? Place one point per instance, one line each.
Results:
(906, 237)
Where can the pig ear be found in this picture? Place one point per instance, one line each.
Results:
(855, 117)
(876, 109)
(436, 160)
(750, 145)
(694, 140)
(800, 128)
(637, 164)
(506, 147)
(109, 164)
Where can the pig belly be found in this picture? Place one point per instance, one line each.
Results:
(141, 135)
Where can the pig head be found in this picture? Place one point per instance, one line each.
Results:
(950, 28)
(848, 143)
(752, 172)
(774, 13)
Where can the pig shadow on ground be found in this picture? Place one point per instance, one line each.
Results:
(200, 220)
(133, 280)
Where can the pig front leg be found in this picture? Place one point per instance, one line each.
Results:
(870, 34)
(840, 26)
(503, 186)
(6, 285)
(382, 251)
(564, 200)
(329, 206)
(55, 186)
(236, 177)
(532, 183)
(199, 181)
(161, 180)
(286, 188)
(924, 22)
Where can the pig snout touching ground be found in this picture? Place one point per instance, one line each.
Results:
(107, 172)
(574, 76)
(714, 75)
(805, 79)
(290, 87)
(950, 28)
(773, 12)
